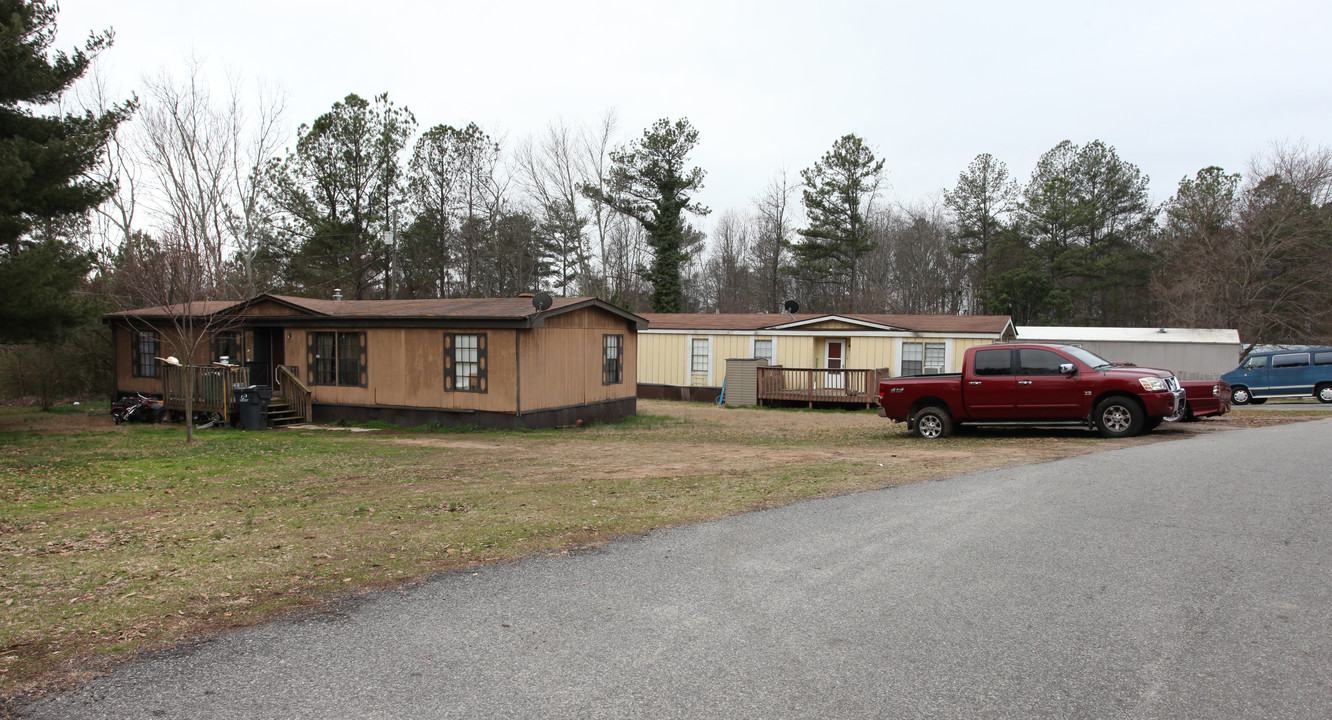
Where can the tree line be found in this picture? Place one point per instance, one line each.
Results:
(186, 193)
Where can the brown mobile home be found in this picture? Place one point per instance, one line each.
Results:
(492, 362)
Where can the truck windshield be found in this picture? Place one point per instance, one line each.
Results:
(1090, 358)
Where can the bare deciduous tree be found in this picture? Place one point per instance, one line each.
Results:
(771, 249)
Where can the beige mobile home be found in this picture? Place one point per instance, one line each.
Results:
(683, 356)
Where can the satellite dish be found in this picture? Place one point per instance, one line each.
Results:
(791, 307)
(541, 301)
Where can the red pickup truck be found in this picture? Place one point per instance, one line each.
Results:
(1030, 384)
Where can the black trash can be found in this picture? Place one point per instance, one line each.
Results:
(252, 405)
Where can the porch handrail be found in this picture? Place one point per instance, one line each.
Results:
(811, 385)
(211, 385)
(296, 392)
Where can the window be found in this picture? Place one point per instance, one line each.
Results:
(1290, 360)
(916, 357)
(336, 358)
(465, 362)
(994, 362)
(1253, 363)
(612, 360)
(145, 347)
(763, 349)
(226, 345)
(698, 356)
(1322, 358)
(1038, 362)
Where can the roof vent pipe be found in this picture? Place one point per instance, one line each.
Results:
(337, 294)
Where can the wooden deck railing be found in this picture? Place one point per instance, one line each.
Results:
(211, 385)
(291, 387)
(816, 385)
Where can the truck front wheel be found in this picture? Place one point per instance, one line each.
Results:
(1118, 417)
(933, 423)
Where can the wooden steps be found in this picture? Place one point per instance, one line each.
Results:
(281, 413)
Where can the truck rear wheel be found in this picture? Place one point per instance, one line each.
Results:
(933, 423)
(1118, 417)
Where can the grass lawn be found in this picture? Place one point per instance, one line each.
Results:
(115, 539)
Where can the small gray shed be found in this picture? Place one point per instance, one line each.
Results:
(742, 380)
(1191, 353)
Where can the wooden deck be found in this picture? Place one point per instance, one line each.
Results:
(817, 385)
(211, 387)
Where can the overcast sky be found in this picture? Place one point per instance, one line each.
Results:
(1173, 86)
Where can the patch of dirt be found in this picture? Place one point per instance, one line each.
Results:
(701, 442)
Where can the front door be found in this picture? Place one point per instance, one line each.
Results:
(260, 354)
(267, 352)
(835, 360)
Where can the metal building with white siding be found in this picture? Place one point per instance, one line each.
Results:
(1191, 353)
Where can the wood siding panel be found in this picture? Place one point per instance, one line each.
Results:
(123, 337)
(562, 362)
(406, 368)
(268, 308)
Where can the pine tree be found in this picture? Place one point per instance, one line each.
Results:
(44, 165)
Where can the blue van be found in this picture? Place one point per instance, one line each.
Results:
(1282, 373)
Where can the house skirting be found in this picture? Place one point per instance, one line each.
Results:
(678, 392)
(606, 411)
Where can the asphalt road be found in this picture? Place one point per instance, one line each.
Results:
(1189, 579)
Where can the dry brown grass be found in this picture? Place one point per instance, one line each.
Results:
(114, 540)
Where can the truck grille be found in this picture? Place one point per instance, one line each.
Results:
(1172, 383)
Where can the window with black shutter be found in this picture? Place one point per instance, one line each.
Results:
(336, 358)
(465, 362)
(612, 359)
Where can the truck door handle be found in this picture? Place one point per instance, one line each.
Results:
(974, 382)
(1024, 382)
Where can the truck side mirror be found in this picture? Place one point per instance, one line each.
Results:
(1067, 368)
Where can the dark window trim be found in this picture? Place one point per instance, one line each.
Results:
(319, 372)
(482, 384)
(612, 368)
(137, 361)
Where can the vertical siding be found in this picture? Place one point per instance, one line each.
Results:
(562, 363)
(795, 352)
(405, 367)
(960, 347)
(725, 347)
(664, 358)
(169, 343)
(661, 359)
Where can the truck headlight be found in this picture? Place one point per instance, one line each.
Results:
(1152, 384)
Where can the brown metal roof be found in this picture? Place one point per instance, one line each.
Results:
(476, 308)
(199, 309)
(985, 324)
(518, 309)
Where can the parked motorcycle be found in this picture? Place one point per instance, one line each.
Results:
(137, 408)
